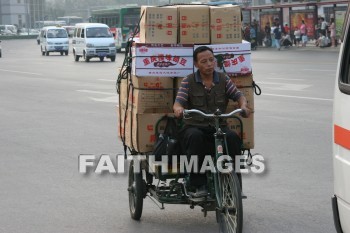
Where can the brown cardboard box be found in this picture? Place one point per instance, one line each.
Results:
(248, 92)
(194, 24)
(149, 101)
(178, 81)
(248, 130)
(124, 125)
(143, 131)
(123, 91)
(158, 25)
(243, 81)
(225, 24)
(139, 129)
(152, 82)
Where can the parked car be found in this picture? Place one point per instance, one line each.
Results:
(8, 30)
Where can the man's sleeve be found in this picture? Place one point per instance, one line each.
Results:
(232, 91)
(182, 93)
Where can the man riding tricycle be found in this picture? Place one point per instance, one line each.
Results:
(202, 171)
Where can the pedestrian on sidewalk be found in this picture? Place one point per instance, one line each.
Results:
(297, 37)
(286, 40)
(278, 36)
(332, 29)
(324, 26)
(302, 28)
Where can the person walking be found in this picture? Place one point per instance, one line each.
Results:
(253, 40)
(302, 29)
(267, 40)
(324, 25)
(286, 29)
(332, 29)
(278, 36)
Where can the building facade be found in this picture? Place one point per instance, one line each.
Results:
(22, 13)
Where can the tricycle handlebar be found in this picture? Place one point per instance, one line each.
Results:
(187, 112)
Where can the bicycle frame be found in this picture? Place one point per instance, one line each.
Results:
(220, 141)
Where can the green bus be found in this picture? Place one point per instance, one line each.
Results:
(121, 20)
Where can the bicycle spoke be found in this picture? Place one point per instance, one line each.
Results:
(229, 203)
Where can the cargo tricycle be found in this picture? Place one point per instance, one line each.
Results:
(224, 191)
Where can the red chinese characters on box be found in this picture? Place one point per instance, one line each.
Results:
(234, 59)
(163, 60)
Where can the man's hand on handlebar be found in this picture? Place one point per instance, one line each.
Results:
(178, 110)
(243, 105)
(245, 111)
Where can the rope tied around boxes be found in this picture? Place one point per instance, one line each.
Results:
(125, 73)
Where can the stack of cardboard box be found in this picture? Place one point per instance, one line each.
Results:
(142, 102)
(168, 36)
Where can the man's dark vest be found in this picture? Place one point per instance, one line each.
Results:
(206, 101)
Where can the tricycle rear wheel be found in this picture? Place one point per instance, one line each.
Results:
(136, 192)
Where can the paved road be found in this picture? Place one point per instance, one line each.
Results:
(53, 109)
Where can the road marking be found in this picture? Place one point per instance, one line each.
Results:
(286, 86)
(97, 92)
(298, 97)
(106, 80)
(20, 72)
(292, 79)
(319, 70)
(112, 99)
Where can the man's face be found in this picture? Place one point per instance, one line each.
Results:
(205, 62)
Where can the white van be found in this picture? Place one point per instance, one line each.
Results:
(93, 40)
(53, 39)
(341, 136)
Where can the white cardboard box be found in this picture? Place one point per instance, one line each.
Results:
(162, 60)
(232, 58)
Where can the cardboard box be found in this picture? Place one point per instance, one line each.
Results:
(234, 59)
(143, 131)
(162, 60)
(140, 132)
(194, 24)
(178, 81)
(152, 82)
(243, 81)
(124, 125)
(148, 101)
(248, 130)
(225, 24)
(123, 93)
(248, 92)
(158, 24)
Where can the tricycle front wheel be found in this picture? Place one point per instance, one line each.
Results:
(136, 192)
(230, 215)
